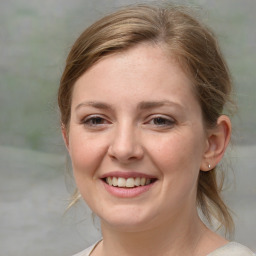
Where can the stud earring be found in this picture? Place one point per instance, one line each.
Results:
(209, 166)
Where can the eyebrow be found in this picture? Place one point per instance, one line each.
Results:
(155, 104)
(99, 105)
(142, 105)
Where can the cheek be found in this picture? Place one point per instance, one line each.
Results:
(86, 154)
(178, 153)
(170, 151)
(178, 160)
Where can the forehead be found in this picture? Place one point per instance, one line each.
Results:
(144, 70)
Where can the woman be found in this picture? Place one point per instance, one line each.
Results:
(141, 101)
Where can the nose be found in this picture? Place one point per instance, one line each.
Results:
(125, 145)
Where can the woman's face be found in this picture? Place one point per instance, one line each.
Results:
(136, 139)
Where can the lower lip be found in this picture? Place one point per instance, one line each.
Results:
(127, 192)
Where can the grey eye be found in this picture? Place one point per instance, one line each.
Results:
(94, 121)
(160, 121)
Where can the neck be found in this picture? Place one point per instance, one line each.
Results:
(177, 237)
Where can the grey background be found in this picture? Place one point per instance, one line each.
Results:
(35, 37)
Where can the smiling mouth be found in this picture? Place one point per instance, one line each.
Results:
(129, 182)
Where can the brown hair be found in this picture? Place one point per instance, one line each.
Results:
(184, 37)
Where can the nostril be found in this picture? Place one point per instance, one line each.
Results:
(124, 153)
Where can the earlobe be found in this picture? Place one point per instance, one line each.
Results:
(65, 135)
(217, 141)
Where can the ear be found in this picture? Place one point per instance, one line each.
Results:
(64, 132)
(217, 142)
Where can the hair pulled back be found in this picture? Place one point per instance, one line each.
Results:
(183, 37)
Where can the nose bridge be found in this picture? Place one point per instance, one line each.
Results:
(125, 142)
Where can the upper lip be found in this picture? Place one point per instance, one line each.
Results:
(127, 174)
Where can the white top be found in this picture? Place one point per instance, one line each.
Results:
(230, 249)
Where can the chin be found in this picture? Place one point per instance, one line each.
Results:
(127, 219)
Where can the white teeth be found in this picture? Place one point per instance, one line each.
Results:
(121, 182)
(114, 181)
(142, 181)
(128, 183)
(109, 181)
(137, 181)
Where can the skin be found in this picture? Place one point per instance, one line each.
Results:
(136, 112)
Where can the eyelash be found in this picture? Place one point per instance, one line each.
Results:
(168, 122)
(157, 121)
(94, 121)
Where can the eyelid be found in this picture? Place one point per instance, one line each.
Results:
(161, 116)
(166, 117)
(94, 116)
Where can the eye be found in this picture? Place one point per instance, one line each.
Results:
(161, 121)
(94, 121)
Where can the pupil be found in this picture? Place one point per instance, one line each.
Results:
(97, 120)
(159, 121)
